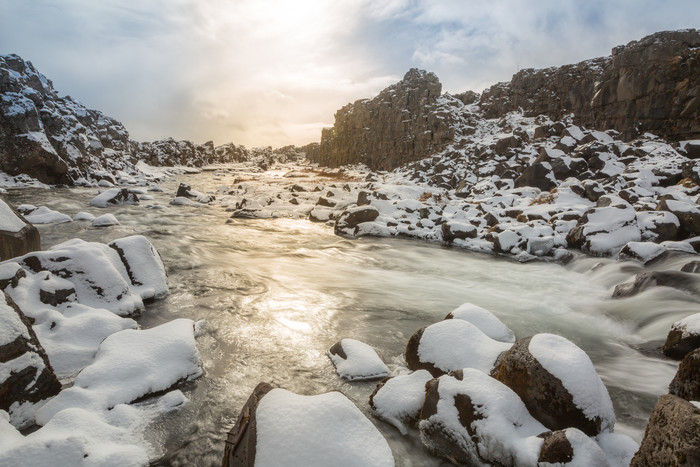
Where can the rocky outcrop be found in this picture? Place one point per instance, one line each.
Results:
(17, 236)
(405, 122)
(26, 376)
(686, 383)
(672, 436)
(649, 85)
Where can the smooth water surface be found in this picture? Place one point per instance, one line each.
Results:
(277, 293)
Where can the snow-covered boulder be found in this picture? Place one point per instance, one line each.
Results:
(457, 230)
(355, 360)
(572, 448)
(84, 216)
(398, 400)
(643, 252)
(672, 436)
(484, 320)
(604, 230)
(558, 383)
(451, 345)
(688, 215)
(688, 282)
(686, 383)
(348, 221)
(105, 220)
(26, 376)
(17, 236)
(277, 427)
(478, 421)
(143, 265)
(96, 271)
(131, 365)
(44, 215)
(113, 197)
(683, 338)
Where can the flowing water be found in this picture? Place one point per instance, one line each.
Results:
(277, 293)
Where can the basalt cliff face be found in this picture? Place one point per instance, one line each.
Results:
(405, 122)
(57, 140)
(651, 85)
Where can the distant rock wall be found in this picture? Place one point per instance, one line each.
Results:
(57, 140)
(650, 85)
(405, 122)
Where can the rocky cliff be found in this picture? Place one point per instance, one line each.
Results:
(59, 141)
(651, 85)
(405, 122)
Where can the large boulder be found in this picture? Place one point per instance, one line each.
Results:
(558, 383)
(683, 338)
(604, 230)
(17, 236)
(26, 376)
(686, 383)
(450, 345)
(687, 213)
(457, 231)
(484, 320)
(143, 265)
(277, 427)
(672, 436)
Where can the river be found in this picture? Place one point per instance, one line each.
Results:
(277, 293)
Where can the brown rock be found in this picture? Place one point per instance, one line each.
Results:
(678, 280)
(680, 342)
(556, 448)
(686, 383)
(242, 438)
(348, 221)
(544, 395)
(14, 244)
(672, 437)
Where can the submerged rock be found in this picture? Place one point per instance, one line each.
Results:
(645, 280)
(17, 236)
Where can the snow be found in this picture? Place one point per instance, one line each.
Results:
(586, 452)
(105, 220)
(618, 448)
(145, 270)
(506, 433)
(128, 365)
(362, 361)
(9, 222)
(11, 326)
(689, 326)
(44, 215)
(567, 362)
(485, 321)
(401, 398)
(326, 429)
(83, 216)
(645, 251)
(454, 344)
(107, 198)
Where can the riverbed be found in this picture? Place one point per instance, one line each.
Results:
(275, 294)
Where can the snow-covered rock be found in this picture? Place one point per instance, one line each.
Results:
(643, 252)
(44, 215)
(105, 220)
(143, 264)
(278, 427)
(683, 338)
(114, 197)
(84, 216)
(17, 236)
(558, 383)
(398, 400)
(451, 345)
(130, 365)
(484, 320)
(355, 360)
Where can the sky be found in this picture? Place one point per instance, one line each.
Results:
(273, 72)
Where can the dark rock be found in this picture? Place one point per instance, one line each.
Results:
(678, 280)
(556, 448)
(33, 382)
(403, 123)
(537, 176)
(184, 190)
(544, 395)
(686, 383)
(687, 214)
(693, 266)
(297, 188)
(348, 221)
(14, 244)
(680, 341)
(455, 230)
(672, 436)
(362, 198)
(241, 440)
